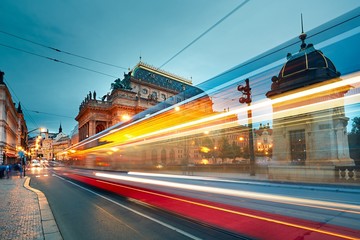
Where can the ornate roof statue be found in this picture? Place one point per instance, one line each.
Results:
(122, 84)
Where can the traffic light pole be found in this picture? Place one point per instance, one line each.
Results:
(246, 98)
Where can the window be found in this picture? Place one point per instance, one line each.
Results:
(298, 146)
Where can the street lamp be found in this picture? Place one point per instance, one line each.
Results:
(246, 98)
(186, 158)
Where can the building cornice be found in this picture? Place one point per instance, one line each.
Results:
(162, 72)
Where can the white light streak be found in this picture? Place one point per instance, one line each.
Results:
(235, 193)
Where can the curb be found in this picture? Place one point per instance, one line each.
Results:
(49, 226)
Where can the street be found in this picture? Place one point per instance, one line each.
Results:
(78, 207)
(85, 213)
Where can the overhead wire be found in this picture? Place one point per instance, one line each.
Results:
(72, 54)
(179, 52)
(284, 47)
(60, 51)
(57, 60)
(18, 100)
(27, 111)
(52, 114)
(206, 31)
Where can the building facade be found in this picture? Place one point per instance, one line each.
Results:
(263, 141)
(13, 129)
(48, 145)
(143, 88)
(309, 125)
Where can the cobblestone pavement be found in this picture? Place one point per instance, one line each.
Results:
(24, 212)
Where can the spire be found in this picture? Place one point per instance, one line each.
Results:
(2, 77)
(19, 108)
(60, 128)
(302, 35)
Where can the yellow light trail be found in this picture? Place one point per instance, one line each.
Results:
(169, 126)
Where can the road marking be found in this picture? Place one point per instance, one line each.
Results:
(134, 211)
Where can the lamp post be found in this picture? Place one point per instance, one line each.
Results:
(185, 138)
(185, 155)
(246, 98)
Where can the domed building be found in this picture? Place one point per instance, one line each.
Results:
(309, 122)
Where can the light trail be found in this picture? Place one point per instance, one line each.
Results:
(216, 179)
(147, 130)
(236, 212)
(178, 129)
(342, 207)
(134, 211)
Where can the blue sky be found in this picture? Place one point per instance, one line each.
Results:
(119, 32)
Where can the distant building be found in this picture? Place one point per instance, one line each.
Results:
(263, 140)
(59, 144)
(48, 145)
(13, 129)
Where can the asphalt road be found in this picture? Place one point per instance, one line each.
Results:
(85, 213)
(331, 204)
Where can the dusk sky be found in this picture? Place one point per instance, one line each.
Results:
(118, 32)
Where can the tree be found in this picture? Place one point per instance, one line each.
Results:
(236, 152)
(355, 125)
(208, 144)
(225, 149)
(354, 140)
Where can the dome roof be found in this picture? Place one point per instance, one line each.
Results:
(308, 66)
(307, 59)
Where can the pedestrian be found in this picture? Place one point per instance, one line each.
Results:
(20, 170)
(7, 171)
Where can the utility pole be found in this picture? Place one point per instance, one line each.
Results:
(246, 98)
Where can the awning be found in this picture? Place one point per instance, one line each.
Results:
(12, 155)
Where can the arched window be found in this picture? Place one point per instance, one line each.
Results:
(99, 128)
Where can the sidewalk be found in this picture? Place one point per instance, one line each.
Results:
(24, 212)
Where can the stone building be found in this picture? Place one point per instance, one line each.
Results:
(263, 141)
(142, 88)
(309, 124)
(144, 91)
(48, 145)
(13, 129)
(59, 144)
